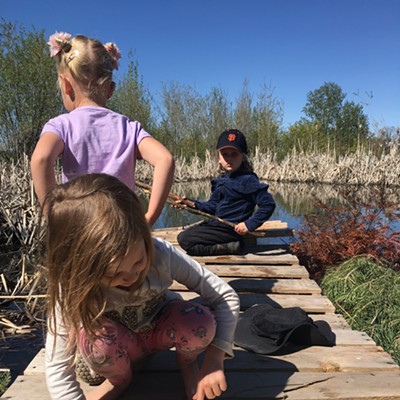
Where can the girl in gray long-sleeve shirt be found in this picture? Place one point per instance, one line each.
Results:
(109, 302)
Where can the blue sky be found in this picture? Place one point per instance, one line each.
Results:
(295, 46)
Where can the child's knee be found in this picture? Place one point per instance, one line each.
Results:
(108, 353)
(196, 326)
(206, 326)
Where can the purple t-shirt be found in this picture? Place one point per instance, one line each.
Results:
(97, 139)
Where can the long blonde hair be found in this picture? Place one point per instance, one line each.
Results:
(92, 221)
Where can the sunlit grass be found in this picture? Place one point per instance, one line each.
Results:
(367, 294)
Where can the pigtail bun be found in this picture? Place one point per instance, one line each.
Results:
(59, 41)
(114, 54)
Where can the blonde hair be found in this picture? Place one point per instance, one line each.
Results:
(89, 62)
(92, 222)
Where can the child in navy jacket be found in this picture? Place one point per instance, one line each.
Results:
(234, 197)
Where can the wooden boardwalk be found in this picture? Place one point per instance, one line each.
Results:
(355, 368)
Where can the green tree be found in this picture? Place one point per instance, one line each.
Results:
(219, 114)
(352, 126)
(243, 110)
(28, 91)
(302, 136)
(267, 118)
(324, 106)
(132, 98)
(184, 126)
(259, 117)
(343, 124)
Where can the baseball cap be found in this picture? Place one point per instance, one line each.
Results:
(232, 138)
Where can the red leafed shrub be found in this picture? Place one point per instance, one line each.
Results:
(338, 233)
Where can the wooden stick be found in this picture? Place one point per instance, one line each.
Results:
(147, 189)
(21, 296)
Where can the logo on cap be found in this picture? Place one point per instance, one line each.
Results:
(231, 137)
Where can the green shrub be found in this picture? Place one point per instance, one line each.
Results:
(367, 293)
(5, 378)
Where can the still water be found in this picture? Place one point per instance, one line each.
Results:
(293, 201)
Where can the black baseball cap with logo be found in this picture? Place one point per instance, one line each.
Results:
(232, 138)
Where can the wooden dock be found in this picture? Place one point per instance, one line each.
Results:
(355, 368)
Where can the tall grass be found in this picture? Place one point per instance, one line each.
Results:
(5, 379)
(367, 294)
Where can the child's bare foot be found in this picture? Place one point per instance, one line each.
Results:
(190, 375)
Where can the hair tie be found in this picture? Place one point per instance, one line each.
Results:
(59, 41)
(114, 53)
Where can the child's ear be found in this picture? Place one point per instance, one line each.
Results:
(69, 90)
(65, 85)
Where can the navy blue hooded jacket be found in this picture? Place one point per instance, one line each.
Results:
(234, 198)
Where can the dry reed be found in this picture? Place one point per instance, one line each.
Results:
(20, 276)
(359, 168)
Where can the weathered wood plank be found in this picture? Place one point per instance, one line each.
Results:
(343, 337)
(279, 385)
(262, 285)
(255, 386)
(310, 304)
(271, 224)
(269, 258)
(259, 271)
(313, 359)
(336, 321)
(318, 359)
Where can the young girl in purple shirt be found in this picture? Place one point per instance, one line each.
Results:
(90, 137)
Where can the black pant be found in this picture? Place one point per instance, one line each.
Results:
(207, 233)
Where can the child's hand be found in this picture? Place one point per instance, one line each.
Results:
(241, 228)
(212, 380)
(183, 200)
(211, 386)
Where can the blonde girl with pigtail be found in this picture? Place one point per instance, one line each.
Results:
(90, 137)
(108, 297)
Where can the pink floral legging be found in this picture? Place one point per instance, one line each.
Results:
(185, 325)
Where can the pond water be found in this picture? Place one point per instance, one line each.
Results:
(293, 201)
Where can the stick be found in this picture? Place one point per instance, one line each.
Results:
(21, 296)
(147, 189)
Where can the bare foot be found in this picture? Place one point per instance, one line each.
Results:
(190, 375)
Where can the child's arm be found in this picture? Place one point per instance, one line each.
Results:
(60, 373)
(47, 150)
(212, 380)
(265, 205)
(161, 159)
